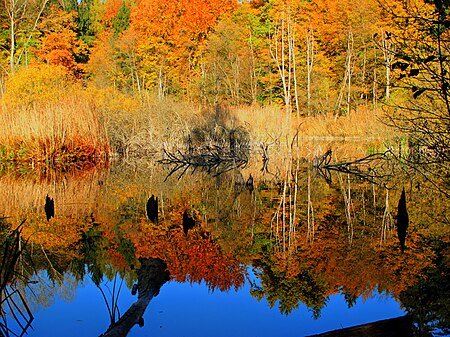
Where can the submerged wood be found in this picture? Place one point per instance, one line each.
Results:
(12, 248)
(212, 159)
(393, 327)
(214, 147)
(322, 160)
(151, 277)
(371, 168)
(49, 208)
(152, 209)
(402, 220)
(188, 222)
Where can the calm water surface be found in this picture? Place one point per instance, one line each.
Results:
(297, 252)
(182, 309)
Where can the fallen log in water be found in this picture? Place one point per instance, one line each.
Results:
(151, 277)
(393, 327)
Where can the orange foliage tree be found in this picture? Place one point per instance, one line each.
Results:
(195, 257)
(59, 44)
(169, 35)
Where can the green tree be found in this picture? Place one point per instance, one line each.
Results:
(230, 63)
(122, 21)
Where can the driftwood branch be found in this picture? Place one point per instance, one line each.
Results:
(212, 159)
(371, 168)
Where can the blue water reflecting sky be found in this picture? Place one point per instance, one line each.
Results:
(188, 310)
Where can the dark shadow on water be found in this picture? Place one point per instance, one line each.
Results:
(188, 222)
(215, 148)
(393, 327)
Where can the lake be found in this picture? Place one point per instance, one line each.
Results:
(307, 245)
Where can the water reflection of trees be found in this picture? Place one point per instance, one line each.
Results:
(428, 300)
(16, 316)
(288, 291)
(306, 238)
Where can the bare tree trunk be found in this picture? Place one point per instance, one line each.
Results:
(294, 65)
(363, 74)
(278, 54)
(12, 9)
(388, 48)
(12, 41)
(2, 85)
(160, 84)
(374, 84)
(253, 75)
(236, 81)
(294, 213)
(348, 206)
(309, 65)
(349, 69)
(284, 216)
(347, 77)
(442, 67)
(310, 216)
(387, 221)
(16, 10)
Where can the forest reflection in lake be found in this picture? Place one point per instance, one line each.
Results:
(295, 242)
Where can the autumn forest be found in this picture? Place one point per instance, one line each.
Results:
(99, 77)
(196, 140)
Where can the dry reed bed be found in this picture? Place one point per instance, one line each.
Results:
(64, 132)
(68, 125)
(271, 123)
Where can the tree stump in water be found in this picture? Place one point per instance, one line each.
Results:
(402, 220)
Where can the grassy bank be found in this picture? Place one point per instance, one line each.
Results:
(63, 133)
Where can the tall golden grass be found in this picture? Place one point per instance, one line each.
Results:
(45, 118)
(270, 123)
(140, 125)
